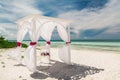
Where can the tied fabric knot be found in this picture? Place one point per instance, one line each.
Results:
(32, 43)
(68, 42)
(48, 42)
(19, 43)
(47, 54)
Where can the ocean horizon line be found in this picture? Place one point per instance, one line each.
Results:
(82, 40)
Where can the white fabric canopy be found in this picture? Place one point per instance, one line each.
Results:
(43, 19)
(43, 26)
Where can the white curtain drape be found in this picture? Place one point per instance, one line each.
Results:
(30, 53)
(16, 54)
(46, 33)
(46, 30)
(64, 52)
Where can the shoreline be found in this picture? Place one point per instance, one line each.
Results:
(103, 50)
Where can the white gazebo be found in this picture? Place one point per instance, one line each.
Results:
(37, 26)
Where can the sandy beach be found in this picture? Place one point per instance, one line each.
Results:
(86, 65)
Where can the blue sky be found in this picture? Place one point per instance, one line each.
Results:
(92, 19)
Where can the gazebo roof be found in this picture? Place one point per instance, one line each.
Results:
(43, 19)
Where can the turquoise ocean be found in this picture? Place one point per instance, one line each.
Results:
(95, 45)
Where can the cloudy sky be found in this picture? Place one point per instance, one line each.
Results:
(93, 19)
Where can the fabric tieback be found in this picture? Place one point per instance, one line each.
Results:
(19, 43)
(68, 42)
(32, 43)
(48, 42)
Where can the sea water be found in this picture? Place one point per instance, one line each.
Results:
(95, 45)
(99, 45)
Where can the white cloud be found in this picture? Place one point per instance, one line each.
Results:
(2, 31)
(0, 6)
(8, 30)
(24, 7)
(18, 8)
(113, 30)
(106, 17)
(12, 11)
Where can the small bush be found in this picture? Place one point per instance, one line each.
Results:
(7, 44)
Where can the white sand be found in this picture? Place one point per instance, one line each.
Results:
(88, 65)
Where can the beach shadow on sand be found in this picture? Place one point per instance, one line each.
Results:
(19, 65)
(62, 71)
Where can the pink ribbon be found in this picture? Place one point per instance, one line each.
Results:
(48, 42)
(32, 43)
(68, 42)
(19, 43)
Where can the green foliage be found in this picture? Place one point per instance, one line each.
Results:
(6, 44)
(2, 38)
(24, 45)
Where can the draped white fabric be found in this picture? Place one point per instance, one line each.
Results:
(64, 52)
(30, 53)
(30, 60)
(46, 33)
(16, 54)
(42, 26)
(62, 32)
(46, 30)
